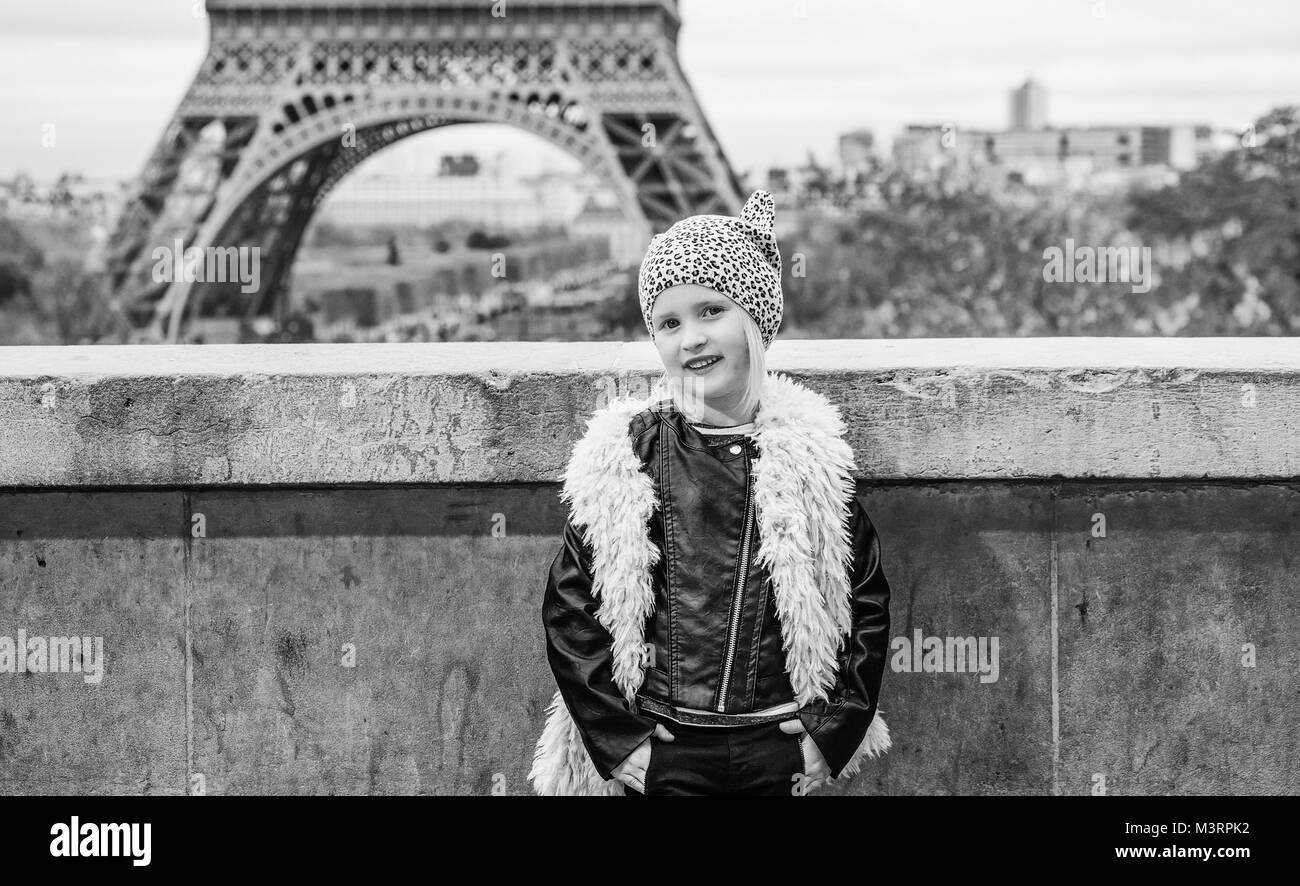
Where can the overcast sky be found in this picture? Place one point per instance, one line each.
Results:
(109, 73)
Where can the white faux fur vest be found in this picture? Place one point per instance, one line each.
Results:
(803, 488)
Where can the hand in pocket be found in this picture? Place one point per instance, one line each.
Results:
(815, 768)
(632, 771)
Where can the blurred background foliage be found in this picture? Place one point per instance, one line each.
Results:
(941, 257)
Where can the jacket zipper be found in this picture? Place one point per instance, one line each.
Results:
(738, 596)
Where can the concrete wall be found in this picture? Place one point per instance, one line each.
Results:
(399, 501)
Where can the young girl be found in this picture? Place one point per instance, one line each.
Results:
(717, 617)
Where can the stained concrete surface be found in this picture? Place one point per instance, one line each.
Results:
(914, 409)
(450, 679)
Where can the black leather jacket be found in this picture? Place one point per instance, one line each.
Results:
(714, 641)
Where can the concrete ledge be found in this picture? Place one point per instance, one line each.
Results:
(509, 412)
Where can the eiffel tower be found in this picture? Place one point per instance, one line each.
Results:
(294, 94)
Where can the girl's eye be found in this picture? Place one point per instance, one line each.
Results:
(719, 308)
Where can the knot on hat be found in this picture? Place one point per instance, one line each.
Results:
(760, 214)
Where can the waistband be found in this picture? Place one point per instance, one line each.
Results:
(692, 717)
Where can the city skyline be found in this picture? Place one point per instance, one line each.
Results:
(774, 84)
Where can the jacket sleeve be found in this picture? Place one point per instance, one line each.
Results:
(579, 650)
(839, 725)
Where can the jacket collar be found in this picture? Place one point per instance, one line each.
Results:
(803, 485)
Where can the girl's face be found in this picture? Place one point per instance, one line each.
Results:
(692, 322)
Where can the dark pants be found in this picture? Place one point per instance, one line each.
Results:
(751, 761)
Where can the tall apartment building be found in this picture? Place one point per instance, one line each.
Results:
(1029, 106)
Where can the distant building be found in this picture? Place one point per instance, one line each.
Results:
(794, 185)
(1031, 152)
(1029, 106)
(466, 165)
(923, 148)
(1211, 142)
(1045, 155)
(1173, 146)
(627, 240)
(462, 190)
(857, 149)
(778, 182)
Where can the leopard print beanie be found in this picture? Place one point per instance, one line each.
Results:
(737, 257)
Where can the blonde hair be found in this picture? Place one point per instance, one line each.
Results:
(749, 399)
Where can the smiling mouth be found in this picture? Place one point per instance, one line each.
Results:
(701, 366)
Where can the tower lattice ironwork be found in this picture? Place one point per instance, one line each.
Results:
(294, 94)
